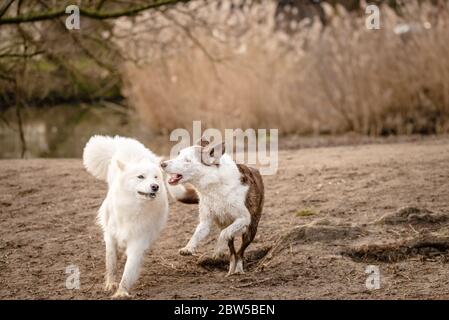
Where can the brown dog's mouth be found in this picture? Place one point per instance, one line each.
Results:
(175, 178)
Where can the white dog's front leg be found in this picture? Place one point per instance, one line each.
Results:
(111, 263)
(201, 231)
(134, 257)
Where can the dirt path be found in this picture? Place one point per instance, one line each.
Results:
(322, 219)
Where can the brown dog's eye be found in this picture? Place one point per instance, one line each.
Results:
(140, 177)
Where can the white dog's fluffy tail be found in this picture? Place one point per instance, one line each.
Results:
(97, 155)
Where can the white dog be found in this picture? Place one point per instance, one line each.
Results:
(135, 209)
(230, 195)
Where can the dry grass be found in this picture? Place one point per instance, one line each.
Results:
(306, 212)
(238, 70)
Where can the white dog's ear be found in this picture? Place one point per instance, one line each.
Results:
(212, 155)
(121, 165)
(203, 142)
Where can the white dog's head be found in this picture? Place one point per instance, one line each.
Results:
(194, 162)
(143, 179)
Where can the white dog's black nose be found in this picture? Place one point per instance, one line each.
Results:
(154, 187)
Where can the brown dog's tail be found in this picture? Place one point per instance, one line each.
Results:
(183, 193)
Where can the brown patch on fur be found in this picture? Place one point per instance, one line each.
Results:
(210, 155)
(200, 154)
(254, 203)
(191, 196)
(202, 142)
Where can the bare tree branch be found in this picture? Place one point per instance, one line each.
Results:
(88, 13)
(189, 34)
(21, 55)
(5, 7)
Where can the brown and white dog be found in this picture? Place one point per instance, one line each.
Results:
(230, 195)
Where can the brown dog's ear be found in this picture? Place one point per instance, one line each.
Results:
(203, 142)
(211, 155)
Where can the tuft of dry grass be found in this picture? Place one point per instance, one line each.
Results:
(234, 68)
(306, 212)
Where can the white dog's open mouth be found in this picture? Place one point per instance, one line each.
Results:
(175, 178)
(150, 195)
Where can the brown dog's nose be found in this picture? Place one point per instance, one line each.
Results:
(163, 164)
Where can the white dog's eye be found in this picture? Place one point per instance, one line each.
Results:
(187, 160)
(155, 177)
(140, 177)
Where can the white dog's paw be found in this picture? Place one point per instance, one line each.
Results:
(186, 251)
(121, 293)
(110, 286)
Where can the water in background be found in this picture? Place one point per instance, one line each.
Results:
(62, 131)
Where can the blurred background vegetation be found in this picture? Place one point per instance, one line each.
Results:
(144, 68)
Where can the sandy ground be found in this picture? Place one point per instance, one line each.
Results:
(329, 213)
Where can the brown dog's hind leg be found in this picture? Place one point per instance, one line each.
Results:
(232, 257)
(247, 238)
